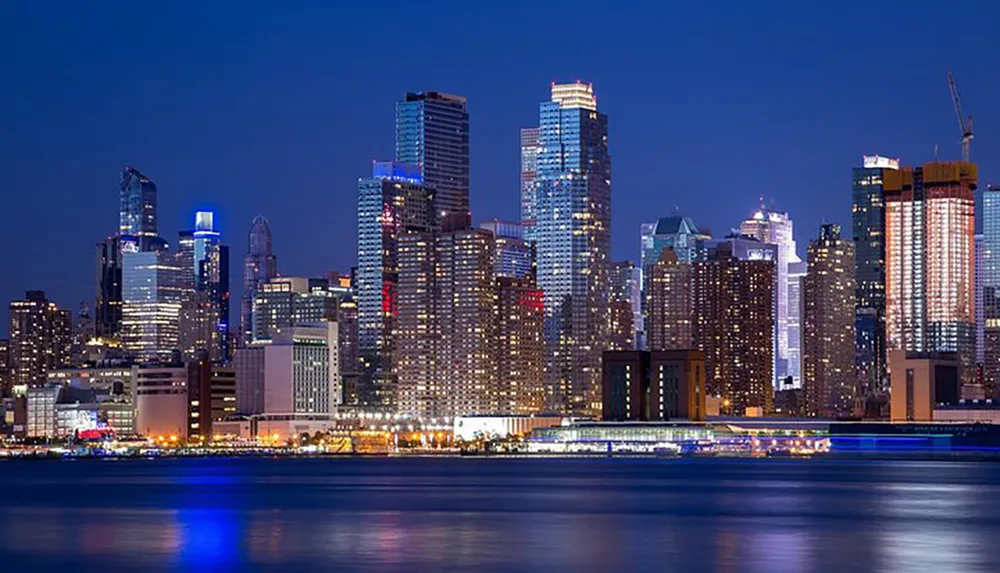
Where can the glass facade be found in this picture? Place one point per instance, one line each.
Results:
(432, 132)
(152, 294)
(137, 215)
(529, 172)
(259, 266)
(868, 215)
(573, 239)
(988, 292)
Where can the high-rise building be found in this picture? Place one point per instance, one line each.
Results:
(733, 300)
(137, 215)
(108, 298)
(432, 132)
(284, 302)
(775, 228)
(930, 252)
(301, 371)
(5, 374)
(624, 306)
(515, 256)
(520, 346)
(988, 288)
(573, 240)
(529, 171)
(980, 299)
(152, 293)
(259, 266)
(392, 202)
(204, 263)
(669, 304)
(446, 323)
(828, 326)
(248, 363)
(347, 332)
(677, 233)
(796, 274)
(868, 216)
(211, 395)
(40, 339)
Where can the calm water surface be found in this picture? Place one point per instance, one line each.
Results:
(421, 515)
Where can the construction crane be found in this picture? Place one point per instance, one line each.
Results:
(964, 126)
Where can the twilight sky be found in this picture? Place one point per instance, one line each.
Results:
(278, 107)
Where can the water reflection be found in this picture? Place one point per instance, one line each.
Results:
(505, 515)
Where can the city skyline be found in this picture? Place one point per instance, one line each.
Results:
(251, 181)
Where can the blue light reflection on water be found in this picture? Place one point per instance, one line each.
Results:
(422, 515)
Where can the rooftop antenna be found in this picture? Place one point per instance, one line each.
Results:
(935, 153)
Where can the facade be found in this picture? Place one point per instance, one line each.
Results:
(796, 274)
(161, 401)
(653, 386)
(677, 233)
(432, 132)
(733, 301)
(515, 257)
(211, 395)
(248, 362)
(41, 402)
(392, 202)
(204, 263)
(922, 381)
(137, 215)
(529, 172)
(828, 316)
(775, 228)
(152, 294)
(988, 293)
(284, 302)
(446, 323)
(573, 240)
(5, 374)
(302, 371)
(930, 252)
(520, 346)
(347, 331)
(669, 305)
(108, 296)
(40, 339)
(868, 220)
(624, 305)
(259, 266)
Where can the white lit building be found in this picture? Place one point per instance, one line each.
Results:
(302, 371)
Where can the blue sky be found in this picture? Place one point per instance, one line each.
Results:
(278, 107)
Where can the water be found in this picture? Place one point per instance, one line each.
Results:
(421, 515)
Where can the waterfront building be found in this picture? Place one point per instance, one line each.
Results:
(828, 315)
(733, 324)
(248, 362)
(392, 202)
(869, 234)
(211, 395)
(520, 346)
(653, 386)
(40, 338)
(5, 373)
(930, 252)
(161, 401)
(432, 132)
(259, 266)
(921, 381)
(302, 371)
(988, 293)
(573, 239)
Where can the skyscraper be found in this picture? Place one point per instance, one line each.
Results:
(930, 252)
(868, 219)
(775, 228)
(204, 263)
(828, 326)
(669, 306)
(515, 257)
(677, 233)
(284, 302)
(624, 304)
(302, 371)
(393, 201)
(988, 282)
(432, 132)
(529, 172)
(520, 347)
(573, 238)
(979, 306)
(733, 300)
(108, 298)
(152, 293)
(259, 265)
(40, 338)
(137, 215)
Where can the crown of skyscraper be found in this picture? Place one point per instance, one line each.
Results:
(577, 95)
